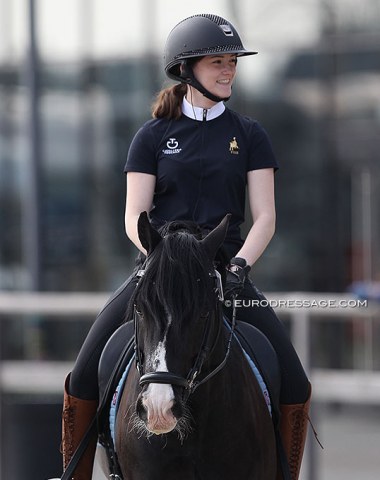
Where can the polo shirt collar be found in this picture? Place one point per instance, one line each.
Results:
(197, 113)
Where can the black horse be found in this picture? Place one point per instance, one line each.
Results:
(167, 427)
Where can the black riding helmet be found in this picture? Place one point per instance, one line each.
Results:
(195, 37)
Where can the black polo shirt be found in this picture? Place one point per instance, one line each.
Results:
(201, 167)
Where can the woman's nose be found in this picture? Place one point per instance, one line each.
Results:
(228, 68)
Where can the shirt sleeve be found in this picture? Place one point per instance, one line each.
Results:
(142, 155)
(261, 150)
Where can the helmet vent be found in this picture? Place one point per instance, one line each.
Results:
(218, 49)
(221, 22)
(214, 18)
(227, 30)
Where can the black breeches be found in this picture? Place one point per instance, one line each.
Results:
(84, 377)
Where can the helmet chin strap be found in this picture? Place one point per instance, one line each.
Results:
(187, 76)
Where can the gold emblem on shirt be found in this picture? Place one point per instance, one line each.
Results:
(234, 147)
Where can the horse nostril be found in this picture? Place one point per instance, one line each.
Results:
(141, 411)
(177, 409)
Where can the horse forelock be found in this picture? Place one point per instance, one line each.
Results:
(177, 281)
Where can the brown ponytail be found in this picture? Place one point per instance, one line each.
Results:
(168, 103)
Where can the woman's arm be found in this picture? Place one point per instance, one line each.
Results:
(139, 198)
(262, 205)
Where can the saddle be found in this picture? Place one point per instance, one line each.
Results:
(116, 354)
(260, 350)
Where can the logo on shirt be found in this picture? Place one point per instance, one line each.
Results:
(172, 145)
(234, 147)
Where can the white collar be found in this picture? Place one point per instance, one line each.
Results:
(196, 113)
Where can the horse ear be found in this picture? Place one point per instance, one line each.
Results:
(216, 237)
(149, 237)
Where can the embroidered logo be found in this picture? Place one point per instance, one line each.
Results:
(172, 145)
(234, 147)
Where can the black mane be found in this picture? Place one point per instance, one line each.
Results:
(178, 278)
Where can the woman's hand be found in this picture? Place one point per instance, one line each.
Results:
(237, 272)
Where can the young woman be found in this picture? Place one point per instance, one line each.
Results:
(195, 160)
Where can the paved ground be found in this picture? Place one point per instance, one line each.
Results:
(351, 440)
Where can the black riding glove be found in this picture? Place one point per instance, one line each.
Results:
(237, 272)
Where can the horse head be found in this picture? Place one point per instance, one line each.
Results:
(177, 319)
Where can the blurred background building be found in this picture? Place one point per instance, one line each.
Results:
(76, 81)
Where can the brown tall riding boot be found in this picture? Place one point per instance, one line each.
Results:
(293, 429)
(76, 417)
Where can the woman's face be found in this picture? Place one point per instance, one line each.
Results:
(216, 73)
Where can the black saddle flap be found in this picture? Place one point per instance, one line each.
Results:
(115, 356)
(259, 348)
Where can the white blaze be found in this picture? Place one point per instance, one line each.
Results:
(158, 398)
(157, 363)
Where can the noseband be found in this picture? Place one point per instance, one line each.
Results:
(191, 382)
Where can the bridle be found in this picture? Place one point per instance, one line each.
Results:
(192, 380)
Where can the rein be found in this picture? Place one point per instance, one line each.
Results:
(194, 385)
(191, 382)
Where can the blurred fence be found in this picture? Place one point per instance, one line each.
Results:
(299, 308)
(358, 384)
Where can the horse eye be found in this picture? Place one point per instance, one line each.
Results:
(139, 312)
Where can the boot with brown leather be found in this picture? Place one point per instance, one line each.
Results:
(293, 428)
(76, 417)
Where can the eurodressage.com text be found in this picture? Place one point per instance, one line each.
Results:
(298, 303)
